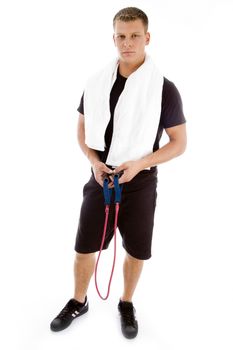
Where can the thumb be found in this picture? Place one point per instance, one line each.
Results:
(118, 169)
(107, 170)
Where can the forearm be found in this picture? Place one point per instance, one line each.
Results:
(90, 153)
(169, 151)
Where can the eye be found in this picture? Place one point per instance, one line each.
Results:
(120, 36)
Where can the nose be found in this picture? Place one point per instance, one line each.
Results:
(127, 42)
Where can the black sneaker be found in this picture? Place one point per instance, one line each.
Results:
(129, 324)
(72, 310)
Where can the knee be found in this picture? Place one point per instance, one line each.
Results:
(80, 257)
(130, 259)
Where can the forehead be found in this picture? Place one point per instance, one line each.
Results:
(129, 27)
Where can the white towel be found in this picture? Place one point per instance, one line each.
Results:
(136, 115)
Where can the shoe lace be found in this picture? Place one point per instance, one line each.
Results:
(128, 316)
(66, 311)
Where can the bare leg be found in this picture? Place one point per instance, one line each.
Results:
(132, 269)
(84, 265)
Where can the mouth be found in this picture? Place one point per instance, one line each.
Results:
(128, 52)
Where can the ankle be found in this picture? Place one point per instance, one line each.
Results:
(80, 298)
(127, 299)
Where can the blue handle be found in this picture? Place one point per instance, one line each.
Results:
(107, 192)
(118, 188)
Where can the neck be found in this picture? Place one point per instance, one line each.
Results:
(125, 69)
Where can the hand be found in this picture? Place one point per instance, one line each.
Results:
(100, 171)
(130, 168)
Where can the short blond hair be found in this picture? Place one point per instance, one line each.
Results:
(128, 14)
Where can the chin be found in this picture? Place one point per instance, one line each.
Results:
(129, 59)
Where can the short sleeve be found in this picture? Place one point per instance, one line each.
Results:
(80, 109)
(172, 107)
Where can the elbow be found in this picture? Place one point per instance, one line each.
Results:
(81, 140)
(78, 138)
(182, 147)
(81, 135)
(81, 130)
(179, 147)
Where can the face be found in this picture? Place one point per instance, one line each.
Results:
(130, 40)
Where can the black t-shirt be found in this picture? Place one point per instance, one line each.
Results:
(171, 111)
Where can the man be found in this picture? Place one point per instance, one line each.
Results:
(123, 136)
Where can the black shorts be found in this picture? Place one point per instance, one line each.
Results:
(135, 217)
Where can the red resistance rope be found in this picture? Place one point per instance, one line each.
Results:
(107, 197)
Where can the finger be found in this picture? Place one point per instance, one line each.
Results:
(122, 179)
(107, 170)
(100, 181)
(119, 168)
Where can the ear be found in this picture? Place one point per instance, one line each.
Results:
(113, 36)
(147, 38)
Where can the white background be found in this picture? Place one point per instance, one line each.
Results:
(185, 296)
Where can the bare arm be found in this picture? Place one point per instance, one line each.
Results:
(90, 153)
(99, 168)
(175, 147)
